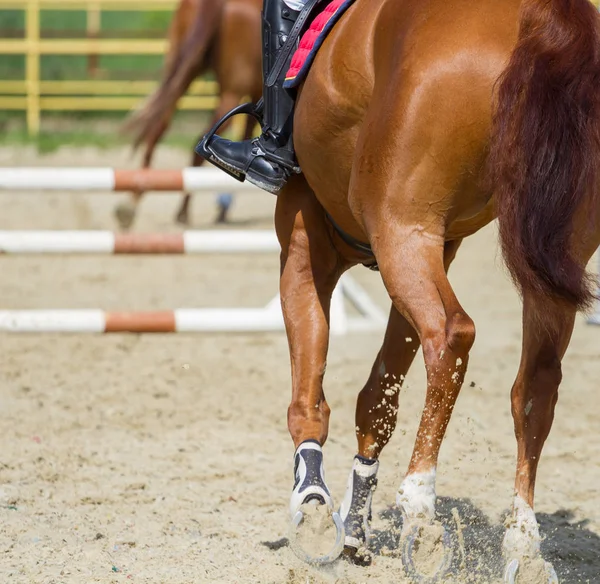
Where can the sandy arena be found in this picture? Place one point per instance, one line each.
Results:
(166, 459)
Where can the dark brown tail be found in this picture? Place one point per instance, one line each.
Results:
(180, 70)
(545, 149)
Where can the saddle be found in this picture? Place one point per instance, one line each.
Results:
(313, 37)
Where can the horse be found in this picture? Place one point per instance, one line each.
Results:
(420, 122)
(222, 36)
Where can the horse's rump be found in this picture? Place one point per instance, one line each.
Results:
(422, 74)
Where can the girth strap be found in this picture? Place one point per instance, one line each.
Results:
(290, 43)
(355, 244)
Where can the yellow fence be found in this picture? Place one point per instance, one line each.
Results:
(34, 95)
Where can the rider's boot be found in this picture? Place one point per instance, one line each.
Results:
(269, 160)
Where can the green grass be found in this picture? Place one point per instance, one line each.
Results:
(99, 129)
(47, 142)
(72, 24)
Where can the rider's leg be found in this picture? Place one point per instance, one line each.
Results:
(269, 160)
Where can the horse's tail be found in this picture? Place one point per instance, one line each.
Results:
(190, 42)
(545, 148)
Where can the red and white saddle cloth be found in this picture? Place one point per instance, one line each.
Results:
(312, 40)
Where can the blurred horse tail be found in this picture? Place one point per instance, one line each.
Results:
(191, 36)
(205, 35)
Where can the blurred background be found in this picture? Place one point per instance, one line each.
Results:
(70, 70)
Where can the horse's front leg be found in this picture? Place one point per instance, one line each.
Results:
(310, 270)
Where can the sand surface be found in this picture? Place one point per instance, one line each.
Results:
(166, 459)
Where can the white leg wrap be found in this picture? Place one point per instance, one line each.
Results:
(355, 509)
(309, 477)
(416, 495)
(522, 537)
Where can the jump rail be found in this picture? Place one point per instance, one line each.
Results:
(189, 320)
(107, 242)
(269, 318)
(109, 179)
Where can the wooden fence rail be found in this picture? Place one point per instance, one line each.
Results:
(34, 95)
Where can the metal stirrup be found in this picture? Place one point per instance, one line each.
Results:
(251, 109)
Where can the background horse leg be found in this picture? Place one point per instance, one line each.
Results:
(183, 213)
(125, 212)
(376, 416)
(310, 270)
(227, 102)
(534, 396)
(225, 200)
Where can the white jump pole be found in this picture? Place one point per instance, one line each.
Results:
(109, 179)
(190, 320)
(168, 321)
(107, 242)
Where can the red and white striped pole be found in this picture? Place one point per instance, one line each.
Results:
(107, 242)
(168, 321)
(110, 179)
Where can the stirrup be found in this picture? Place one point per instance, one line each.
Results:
(251, 109)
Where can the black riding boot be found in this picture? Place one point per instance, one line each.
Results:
(269, 160)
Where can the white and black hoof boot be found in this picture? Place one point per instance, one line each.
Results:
(355, 509)
(316, 530)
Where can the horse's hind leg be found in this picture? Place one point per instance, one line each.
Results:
(310, 269)
(227, 102)
(376, 415)
(125, 212)
(225, 200)
(534, 396)
(183, 213)
(412, 266)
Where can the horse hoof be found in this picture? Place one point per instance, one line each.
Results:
(223, 205)
(311, 534)
(221, 217)
(222, 214)
(422, 545)
(125, 214)
(541, 572)
(182, 218)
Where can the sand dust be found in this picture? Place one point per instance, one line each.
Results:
(316, 535)
(166, 459)
(429, 554)
(532, 572)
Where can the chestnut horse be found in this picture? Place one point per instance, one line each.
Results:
(418, 124)
(222, 36)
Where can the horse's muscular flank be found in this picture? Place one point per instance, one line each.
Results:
(545, 148)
